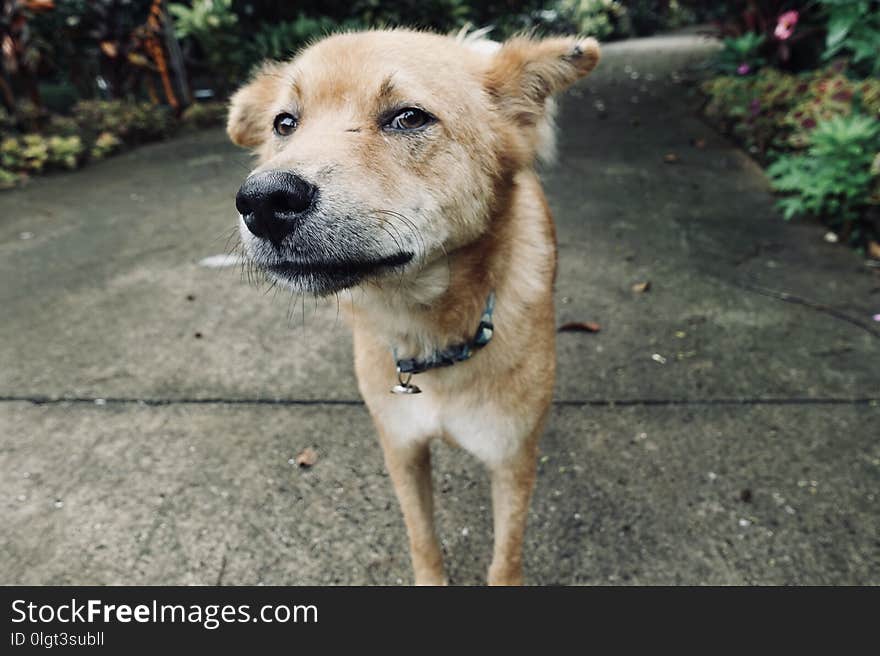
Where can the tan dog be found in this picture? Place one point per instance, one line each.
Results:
(399, 165)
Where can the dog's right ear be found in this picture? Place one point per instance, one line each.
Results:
(522, 77)
(524, 72)
(249, 123)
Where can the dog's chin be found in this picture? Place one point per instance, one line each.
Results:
(321, 278)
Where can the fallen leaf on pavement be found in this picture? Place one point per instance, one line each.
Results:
(580, 327)
(874, 250)
(642, 287)
(307, 457)
(670, 158)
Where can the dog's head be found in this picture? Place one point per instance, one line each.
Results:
(380, 151)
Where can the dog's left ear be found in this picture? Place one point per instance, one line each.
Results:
(249, 123)
(525, 72)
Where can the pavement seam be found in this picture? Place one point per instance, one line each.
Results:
(805, 302)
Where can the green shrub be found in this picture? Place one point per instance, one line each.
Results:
(7, 123)
(442, 15)
(281, 40)
(63, 126)
(740, 55)
(105, 144)
(603, 19)
(825, 96)
(205, 114)
(96, 129)
(132, 122)
(776, 112)
(752, 108)
(32, 153)
(835, 179)
(213, 25)
(8, 179)
(26, 154)
(854, 30)
(64, 151)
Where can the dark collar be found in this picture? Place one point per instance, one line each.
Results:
(455, 353)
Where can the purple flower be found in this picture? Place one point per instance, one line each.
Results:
(743, 69)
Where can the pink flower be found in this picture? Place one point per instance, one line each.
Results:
(876, 317)
(785, 25)
(743, 69)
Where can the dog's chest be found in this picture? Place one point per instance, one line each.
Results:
(480, 428)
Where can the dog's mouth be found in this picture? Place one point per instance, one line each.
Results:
(326, 276)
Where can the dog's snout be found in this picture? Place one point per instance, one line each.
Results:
(272, 203)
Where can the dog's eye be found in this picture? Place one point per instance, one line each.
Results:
(410, 119)
(284, 124)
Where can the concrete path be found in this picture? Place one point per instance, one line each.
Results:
(722, 427)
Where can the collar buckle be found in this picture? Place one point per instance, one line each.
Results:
(404, 386)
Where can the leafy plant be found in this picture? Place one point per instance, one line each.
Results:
(205, 114)
(21, 51)
(64, 152)
(212, 25)
(602, 19)
(834, 179)
(204, 19)
(774, 112)
(105, 144)
(281, 40)
(8, 179)
(132, 122)
(741, 54)
(854, 29)
(32, 153)
(443, 15)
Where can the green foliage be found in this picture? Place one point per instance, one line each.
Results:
(7, 121)
(8, 179)
(740, 55)
(65, 151)
(443, 15)
(213, 25)
(834, 179)
(281, 40)
(603, 19)
(854, 30)
(105, 144)
(205, 114)
(132, 122)
(28, 153)
(776, 112)
(96, 129)
(203, 16)
(826, 96)
(32, 153)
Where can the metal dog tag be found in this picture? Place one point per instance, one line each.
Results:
(404, 386)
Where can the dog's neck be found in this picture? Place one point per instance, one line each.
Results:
(439, 307)
(443, 304)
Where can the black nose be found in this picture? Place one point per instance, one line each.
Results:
(272, 203)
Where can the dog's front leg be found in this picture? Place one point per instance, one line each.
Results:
(512, 484)
(409, 465)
